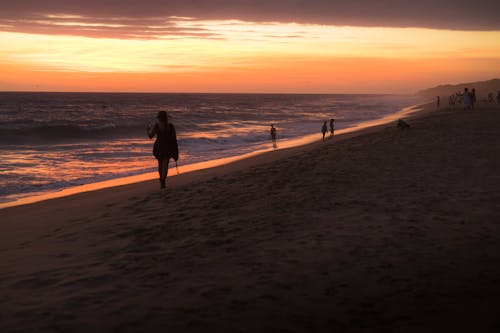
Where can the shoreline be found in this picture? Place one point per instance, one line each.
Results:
(183, 169)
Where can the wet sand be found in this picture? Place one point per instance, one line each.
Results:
(379, 231)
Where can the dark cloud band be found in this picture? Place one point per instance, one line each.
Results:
(151, 18)
(108, 27)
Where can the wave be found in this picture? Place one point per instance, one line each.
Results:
(226, 141)
(62, 133)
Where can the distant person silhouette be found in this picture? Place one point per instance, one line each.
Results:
(451, 100)
(466, 98)
(324, 129)
(438, 102)
(490, 97)
(332, 127)
(165, 146)
(273, 136)
(473, 98)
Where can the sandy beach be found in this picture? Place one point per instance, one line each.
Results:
(381, 230)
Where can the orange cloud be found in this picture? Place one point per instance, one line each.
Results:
(251, 57)
(299, 75)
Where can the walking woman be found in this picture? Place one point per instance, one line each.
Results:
(165, 146)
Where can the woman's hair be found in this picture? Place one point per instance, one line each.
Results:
(162, 116)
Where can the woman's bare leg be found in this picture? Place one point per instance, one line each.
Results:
(163, 170)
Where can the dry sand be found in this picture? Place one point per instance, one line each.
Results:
(382, 231)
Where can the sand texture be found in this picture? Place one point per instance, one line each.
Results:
(383, 231)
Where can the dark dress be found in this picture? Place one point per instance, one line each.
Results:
(165, 146)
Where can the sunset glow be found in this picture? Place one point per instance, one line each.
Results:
(187, 55)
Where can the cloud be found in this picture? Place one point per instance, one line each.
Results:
(109, 27)
(154, 18)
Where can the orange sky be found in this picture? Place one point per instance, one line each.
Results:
(238, 56)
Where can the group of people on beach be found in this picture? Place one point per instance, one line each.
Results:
(467, 99)
(490, 97)
(324, 129)
(166, 147)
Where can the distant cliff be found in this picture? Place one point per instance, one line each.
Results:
(482, 89)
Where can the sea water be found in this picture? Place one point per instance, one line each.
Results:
(52, 141)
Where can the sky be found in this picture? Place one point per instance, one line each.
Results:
(278, 46)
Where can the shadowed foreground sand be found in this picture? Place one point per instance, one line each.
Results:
(393, 231)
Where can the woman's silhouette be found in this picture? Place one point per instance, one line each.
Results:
(165, 146)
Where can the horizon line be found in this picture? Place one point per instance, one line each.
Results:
(198, 92)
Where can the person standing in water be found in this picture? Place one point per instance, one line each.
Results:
(273, 136)
(332, 127)
(165, 146)
(324, 129)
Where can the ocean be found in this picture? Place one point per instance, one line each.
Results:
(53, 141)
